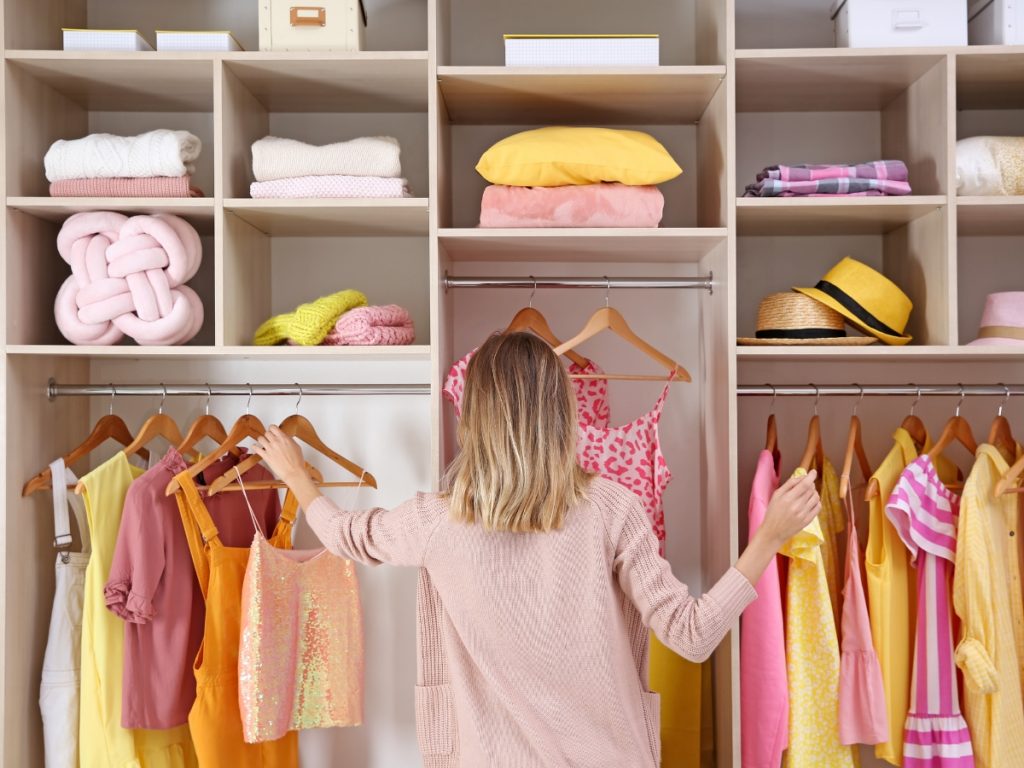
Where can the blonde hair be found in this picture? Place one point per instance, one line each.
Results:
(516, 469)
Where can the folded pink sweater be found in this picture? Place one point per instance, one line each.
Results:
(371, 326)
(586, 205)
(152, 186)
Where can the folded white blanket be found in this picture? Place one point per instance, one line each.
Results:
(276, 158)
(990, 165)
(105, 156)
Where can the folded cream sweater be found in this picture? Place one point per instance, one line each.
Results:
(104, 156)
(276, 158)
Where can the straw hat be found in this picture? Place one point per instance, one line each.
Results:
(866, 298)
(1002, 322)
(792, 319)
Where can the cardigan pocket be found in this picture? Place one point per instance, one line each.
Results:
(435, 721)
(652, 716)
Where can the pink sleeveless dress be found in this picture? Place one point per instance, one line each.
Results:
(629, 454)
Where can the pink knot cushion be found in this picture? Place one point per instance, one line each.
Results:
(389, 325)
(128, 278)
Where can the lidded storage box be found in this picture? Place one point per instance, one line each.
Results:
(899, 23)
(330, 25)
(996, 22)
(582, 50)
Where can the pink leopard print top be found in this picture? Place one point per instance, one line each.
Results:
(629, 454)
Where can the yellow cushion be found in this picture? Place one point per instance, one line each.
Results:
(558, 156)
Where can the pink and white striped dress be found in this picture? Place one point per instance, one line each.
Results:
(924, 513)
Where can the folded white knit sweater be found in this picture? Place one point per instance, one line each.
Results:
(276, 158)
(104, 156)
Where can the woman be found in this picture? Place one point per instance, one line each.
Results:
(548, 576)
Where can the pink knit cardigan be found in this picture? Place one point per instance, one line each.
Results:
(542, 635)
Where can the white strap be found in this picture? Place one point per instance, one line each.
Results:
(252, 514)
(60, 478)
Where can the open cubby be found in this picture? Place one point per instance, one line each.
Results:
(392, 24)
(33, 282)
(260, 272)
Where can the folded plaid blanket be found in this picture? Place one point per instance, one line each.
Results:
(894, 170)
(846, 186)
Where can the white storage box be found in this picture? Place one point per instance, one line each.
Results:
(582, 50)
(899, 23)
(199, 40)
(332, 25)
(104, 40)
(995, 22)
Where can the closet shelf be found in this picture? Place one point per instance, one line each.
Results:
(356, 82)
(990, 77)
(669, 245)
(830, 216)
(197, 211)
(528, 95)
(821, 80)
(990, 215)
(401, 217)
(123, 82)
(880, 353)
(412, 353)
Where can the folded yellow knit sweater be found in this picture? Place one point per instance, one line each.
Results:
(310, 323)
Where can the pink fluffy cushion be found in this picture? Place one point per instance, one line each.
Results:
(585, 205)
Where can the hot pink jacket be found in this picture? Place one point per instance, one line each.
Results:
(536, 627)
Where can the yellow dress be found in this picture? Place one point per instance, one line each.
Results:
(812, 647)
(678, 682)
(103, 743)
(987, 598)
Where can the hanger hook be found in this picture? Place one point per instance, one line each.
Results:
(771, 405)
(913, 405)
(209, 396)
(113, 394)
(533, 291)
(857, 404)
(607, 289)
(817, 397)
(299, 401)
(1005, 400)
(162, 398)
(959, 402)
(248, 403)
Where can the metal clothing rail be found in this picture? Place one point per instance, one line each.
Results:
(54, 390)
(855, 390)
(704, 282)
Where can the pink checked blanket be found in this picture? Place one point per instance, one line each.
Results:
(389, 324)
(331, 186)
(894, 170)
(585, 205)
(151, 186)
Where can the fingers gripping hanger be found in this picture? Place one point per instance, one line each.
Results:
(109, 427)
(610, 319)
(814, 450)
(1000, 436)
(530, 319)
(854, 447)
(300, 428)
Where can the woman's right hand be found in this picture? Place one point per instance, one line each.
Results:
(793, 505)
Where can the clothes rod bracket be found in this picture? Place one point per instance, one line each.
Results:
(607, 283)
(55, 390)
(876, 390)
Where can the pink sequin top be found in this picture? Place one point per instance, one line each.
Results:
(629, 454)
(300, 657)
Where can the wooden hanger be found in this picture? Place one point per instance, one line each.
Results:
(157, 425)
(1008, 482)
(1000, 436)
(109, 427)
(914, 427)
(206, 426)
(608, 318)
(854, 447)
(771, 438)
(814, 450)
(958, 429)
(530, 319)
(300, 428)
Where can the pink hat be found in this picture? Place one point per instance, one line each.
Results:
(1002, 322)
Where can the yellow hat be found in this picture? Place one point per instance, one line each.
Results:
(866, 298)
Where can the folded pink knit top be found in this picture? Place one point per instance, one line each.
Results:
(541, 651)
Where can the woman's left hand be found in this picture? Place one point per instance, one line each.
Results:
(282, 454)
